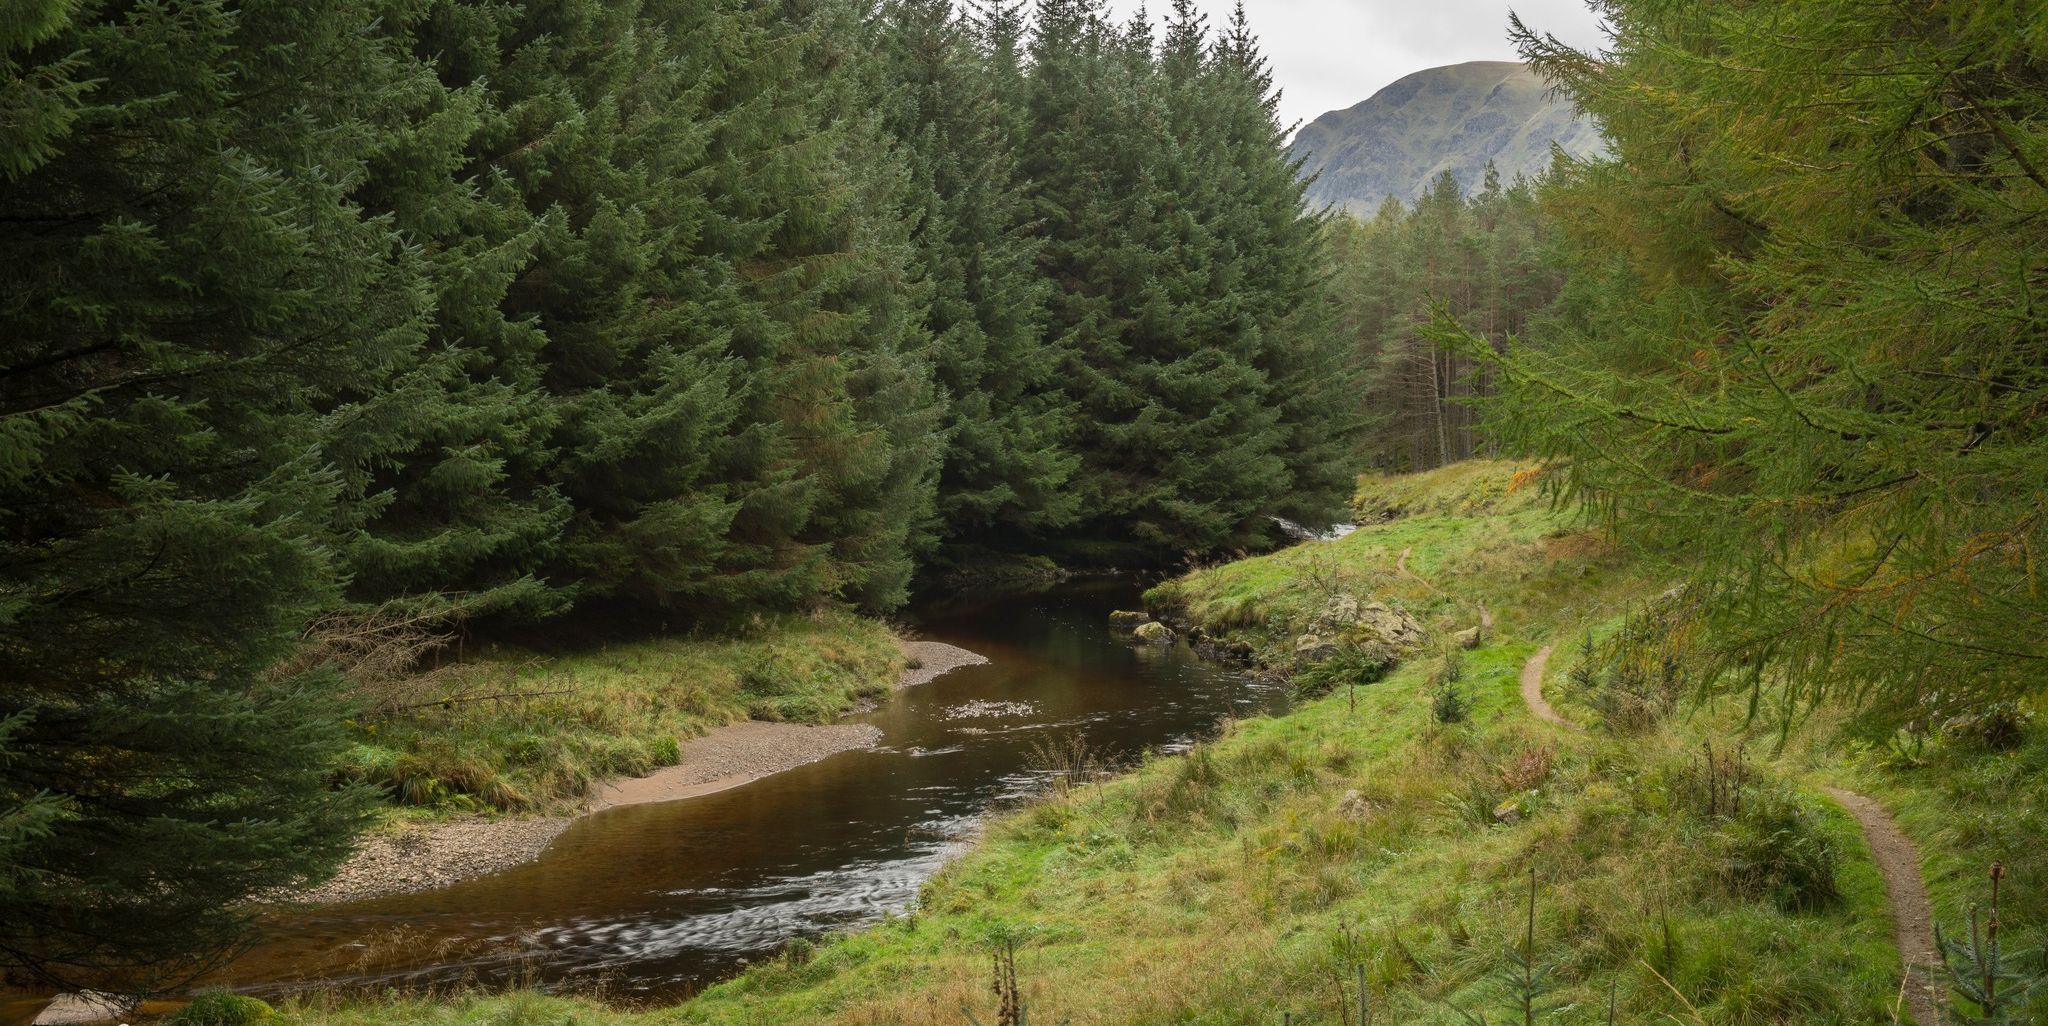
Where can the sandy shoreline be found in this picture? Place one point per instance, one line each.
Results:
(428, 857)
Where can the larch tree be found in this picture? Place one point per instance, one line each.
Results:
(1804, 344)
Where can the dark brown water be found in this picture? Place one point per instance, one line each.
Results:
(654, 901)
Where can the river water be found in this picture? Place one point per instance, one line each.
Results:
(651, 902)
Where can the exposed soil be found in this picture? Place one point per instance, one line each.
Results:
(1532, 691)
(1898, 861)
(425, 857)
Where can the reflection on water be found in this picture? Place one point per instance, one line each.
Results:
(656, 900)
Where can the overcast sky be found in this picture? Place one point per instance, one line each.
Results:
(1330, 54)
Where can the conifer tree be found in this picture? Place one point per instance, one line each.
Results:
(1147, 170)
(190, 292)
(1006, 466)
(1803, 344)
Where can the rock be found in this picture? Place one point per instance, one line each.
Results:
(1223, 650)
(1467, 638)
(1508, 813)
(1127, 619)
(1341, 611)
(1153, 632)
(1314, 648)
(1354, 806)
(83, 1007)
(1368, 622)
(1380, 622)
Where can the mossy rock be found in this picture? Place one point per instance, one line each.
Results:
(1128, 619)
(220, 1008)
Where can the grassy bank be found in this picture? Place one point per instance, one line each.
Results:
(514, 730)
(1380, 833)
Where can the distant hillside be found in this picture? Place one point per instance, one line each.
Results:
(1452, 119)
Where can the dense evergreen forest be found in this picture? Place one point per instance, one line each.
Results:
(670, 313)
(1487, 261)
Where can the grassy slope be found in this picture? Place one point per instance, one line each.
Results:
(619, 710)
(1245, 878)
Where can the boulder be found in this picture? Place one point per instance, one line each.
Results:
(1508, 813)
(1127, 619)
(1224, 650)
(1314, 648)
(1344, 616)
(85, 1006)
(1380, 622)
(1467, 638)
(1153, 632)
(1342, 611)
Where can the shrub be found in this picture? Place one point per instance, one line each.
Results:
(666, 750)
(1774, 849)
(1350, 665)
(220, 1008)
(1448, 703)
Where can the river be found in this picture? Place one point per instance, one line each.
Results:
(650, 903)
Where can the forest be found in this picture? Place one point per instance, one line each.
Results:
(477, 316)
(346, 335)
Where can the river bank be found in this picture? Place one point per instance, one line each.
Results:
(423, 856)
(1384, 837)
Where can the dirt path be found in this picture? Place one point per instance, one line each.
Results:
(1401, 567)
(1898, 861)
(1532, 691)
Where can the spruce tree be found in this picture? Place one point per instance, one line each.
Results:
(1006, 466)
(190, 292)
(1180, 254)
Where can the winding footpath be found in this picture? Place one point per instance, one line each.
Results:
(1898, 862)
(1532, 692)
(1401, 567)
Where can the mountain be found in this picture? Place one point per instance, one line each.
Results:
(1452, 119)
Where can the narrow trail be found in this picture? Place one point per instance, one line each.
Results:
(1532, 691)
(1401, 567)
(1898, 861)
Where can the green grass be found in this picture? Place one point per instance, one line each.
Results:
(615, 711)
(1250, 876)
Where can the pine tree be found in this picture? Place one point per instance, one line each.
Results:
(876, 453)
